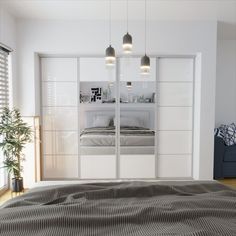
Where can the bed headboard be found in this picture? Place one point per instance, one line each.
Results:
(143, 115)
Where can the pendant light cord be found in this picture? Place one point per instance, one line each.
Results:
(145, 26)
(110, 22)
(127, 15)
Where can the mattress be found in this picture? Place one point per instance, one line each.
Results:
(105, 136)
(125, 208)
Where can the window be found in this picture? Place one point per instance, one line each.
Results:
(4, 79)
(4, 101)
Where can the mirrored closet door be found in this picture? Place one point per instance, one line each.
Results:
(175, 93)
(116, 123)
(97, 111)
(59, 108)
(137, 118)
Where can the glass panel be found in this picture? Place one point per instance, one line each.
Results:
(59, 69)
(174, 122)
(60, 117)
(137, 120)
(59, 94)
(64, 167)
(97, 112)
(181, 69)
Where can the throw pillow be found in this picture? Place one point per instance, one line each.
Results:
(230, 135)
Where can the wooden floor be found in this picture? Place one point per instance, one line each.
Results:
(8, 195)
(230, 182)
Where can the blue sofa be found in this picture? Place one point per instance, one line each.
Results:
(224, 159)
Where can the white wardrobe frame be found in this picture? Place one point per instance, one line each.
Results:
(117, 112)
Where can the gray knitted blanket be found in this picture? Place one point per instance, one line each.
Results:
(124, 209)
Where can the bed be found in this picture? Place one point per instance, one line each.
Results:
(123, 208)
(130, 139)
(100, 135)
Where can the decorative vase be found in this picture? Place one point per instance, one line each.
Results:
(17, 185)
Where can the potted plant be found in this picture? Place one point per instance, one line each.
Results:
(14, 135)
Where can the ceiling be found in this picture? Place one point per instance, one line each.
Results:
(221, 10)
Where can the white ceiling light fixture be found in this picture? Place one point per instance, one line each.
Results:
(145, 60)
(127, 39)
(110, 58)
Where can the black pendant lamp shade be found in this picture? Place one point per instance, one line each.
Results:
(110, 56)
(129, 85)
(145, 64)
(127, 43)
(127, 39)
(145, 60)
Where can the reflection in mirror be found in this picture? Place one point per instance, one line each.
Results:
(97, 111)
(137, 121)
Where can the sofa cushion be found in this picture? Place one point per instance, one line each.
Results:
(230, 136)
(229, 133)
(219, 133)
(230, 154)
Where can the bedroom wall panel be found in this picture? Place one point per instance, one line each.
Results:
(59, 69)
(60, 142)
(93, 69)
(174, 142)
(137, 166)
(176, 69)
(130, 70)
(98, 166)
(174, 118)
(60, 167)
(60, 118)
(59, 94)
(175, 94)
(174, 166)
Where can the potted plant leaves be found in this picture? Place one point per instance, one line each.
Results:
(14, 135)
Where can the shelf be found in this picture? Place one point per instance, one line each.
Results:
(114, 104)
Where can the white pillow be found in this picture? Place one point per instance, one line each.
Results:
(101, 121)
(129, 121)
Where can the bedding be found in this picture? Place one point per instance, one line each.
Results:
(127, 121)
(125, 208)
(101, 121)
(105, 136)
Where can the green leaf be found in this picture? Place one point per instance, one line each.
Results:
(14, 135)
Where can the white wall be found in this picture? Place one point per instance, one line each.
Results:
(226, 82)
(73, 37)
(8, 37)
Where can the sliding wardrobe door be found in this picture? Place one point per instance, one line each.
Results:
(97, 114)
(60, 117)
(136, 120)
(175, 115)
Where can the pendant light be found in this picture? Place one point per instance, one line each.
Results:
(110, 51)
(129, 85)
(127, 39)
(145, 60)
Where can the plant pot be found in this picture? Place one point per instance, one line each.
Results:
(17, 185)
